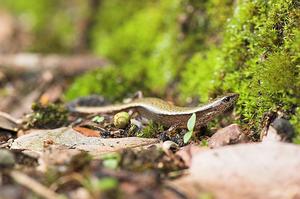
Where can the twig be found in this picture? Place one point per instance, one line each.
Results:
(33, 185)
(67, 65)
(9, 118)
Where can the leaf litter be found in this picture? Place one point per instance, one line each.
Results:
(89, 156)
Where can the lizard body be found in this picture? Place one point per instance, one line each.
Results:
(168, 114)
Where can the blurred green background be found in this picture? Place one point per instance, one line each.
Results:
(184, 49)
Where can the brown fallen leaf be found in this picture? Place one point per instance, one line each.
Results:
(86, 132)
(66, 136)
(262, 171)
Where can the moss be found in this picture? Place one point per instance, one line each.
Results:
(142, 44)
(106, 24)
(199, 74)
(150, 131)
(107, 82)
(205, 29)
(150, 48)
(145, 45)
(47, 117)
(203, 22)
(260, 60)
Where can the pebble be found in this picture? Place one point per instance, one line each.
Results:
(284, 128)
(227, 135)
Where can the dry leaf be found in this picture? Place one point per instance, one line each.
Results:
(68, 137)
(269, 170)
(87, 132)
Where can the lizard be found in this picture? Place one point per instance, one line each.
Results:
(167, 114)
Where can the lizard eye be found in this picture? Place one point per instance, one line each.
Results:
(226, 99)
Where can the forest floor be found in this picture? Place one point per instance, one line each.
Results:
(48, 151)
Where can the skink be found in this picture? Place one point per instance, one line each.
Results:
(167, 114)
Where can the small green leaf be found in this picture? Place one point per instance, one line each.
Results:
(107, 183)
(187, 137)
(204, 143)
(191, 123)
(98, 119)
(111, 160)
(111, 163)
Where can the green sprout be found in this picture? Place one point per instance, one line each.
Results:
(111, 160)
(190, 126)
(98, 119)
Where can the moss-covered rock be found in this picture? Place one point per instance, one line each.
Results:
(259, 59)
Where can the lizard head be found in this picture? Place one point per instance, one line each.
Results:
(216, 107)
(228, 100)
(221, 104)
